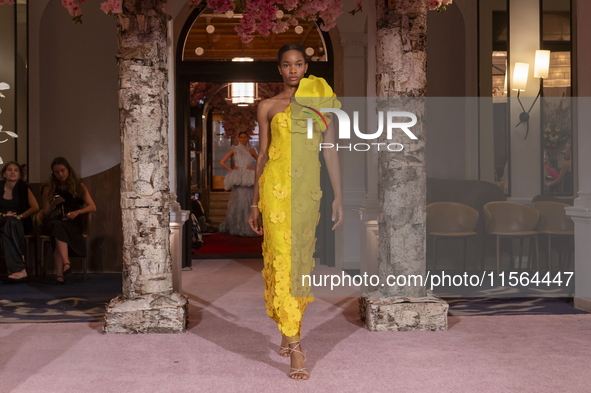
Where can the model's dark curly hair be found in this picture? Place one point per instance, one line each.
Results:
(288, 47)
(9, 163)
(72, 184)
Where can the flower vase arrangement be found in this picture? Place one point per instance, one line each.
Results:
(557, 126)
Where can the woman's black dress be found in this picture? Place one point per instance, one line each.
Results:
(67, 231)
(13, 230)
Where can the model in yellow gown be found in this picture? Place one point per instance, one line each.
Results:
(289, 202)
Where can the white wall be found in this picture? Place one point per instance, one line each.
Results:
(452, 153)
(73, 90)
(7, 58)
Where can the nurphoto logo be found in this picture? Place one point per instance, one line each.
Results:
(345, 128)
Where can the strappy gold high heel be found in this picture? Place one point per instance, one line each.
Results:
(284, 351)
(294, 371)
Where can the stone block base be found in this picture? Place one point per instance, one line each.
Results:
(153, 313)
(583, 303)
(403, 314)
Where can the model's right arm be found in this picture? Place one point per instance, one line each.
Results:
(223, 161)
(264, 141)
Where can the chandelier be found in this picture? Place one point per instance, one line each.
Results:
(242, 93)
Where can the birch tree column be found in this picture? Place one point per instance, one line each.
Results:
(401, 85)
(148, 303)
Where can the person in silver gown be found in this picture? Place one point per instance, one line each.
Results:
(241, 181)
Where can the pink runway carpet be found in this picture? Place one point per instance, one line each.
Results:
(231, 346)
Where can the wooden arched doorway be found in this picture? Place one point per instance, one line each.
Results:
(214, 65)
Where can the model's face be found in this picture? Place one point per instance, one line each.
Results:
(292, 67)
(12, 173)
(243, 139)
(60, 172)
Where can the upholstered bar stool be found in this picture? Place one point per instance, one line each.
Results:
(513, 221)
(451, 220)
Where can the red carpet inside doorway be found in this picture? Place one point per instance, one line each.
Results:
(221, 246)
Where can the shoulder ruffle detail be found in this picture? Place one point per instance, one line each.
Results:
(315, 93)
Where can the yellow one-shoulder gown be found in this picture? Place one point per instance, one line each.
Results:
(289, 202)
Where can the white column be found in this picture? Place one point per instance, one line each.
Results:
(177, 220)
(525, 153)
(369, 210)
(581, 211)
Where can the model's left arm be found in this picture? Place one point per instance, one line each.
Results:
(331, 158)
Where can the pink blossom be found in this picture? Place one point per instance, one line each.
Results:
(291, 4)
(280, 27)
(220, 6)
(259, 15)
(434, 4)
(112, 6)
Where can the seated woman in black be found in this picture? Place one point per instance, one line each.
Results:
(64, 201)
(17, 205)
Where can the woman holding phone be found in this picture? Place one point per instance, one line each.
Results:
(64, 201)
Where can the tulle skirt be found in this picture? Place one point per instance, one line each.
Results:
(240, 177)
(238, 212)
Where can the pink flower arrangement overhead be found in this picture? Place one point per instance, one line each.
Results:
(439, 5)
(262, 16)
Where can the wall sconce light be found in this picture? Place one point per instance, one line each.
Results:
(506, 73)
(520, 73)
(542, 64)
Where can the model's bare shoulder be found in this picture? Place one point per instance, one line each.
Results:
(263, 108)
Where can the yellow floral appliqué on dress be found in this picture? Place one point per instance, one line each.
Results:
(274, 152)
(279, 191)
(316, 193)
(289, 203)
(297, 171)
(277, 216)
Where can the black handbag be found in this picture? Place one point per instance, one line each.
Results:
(57, 213)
